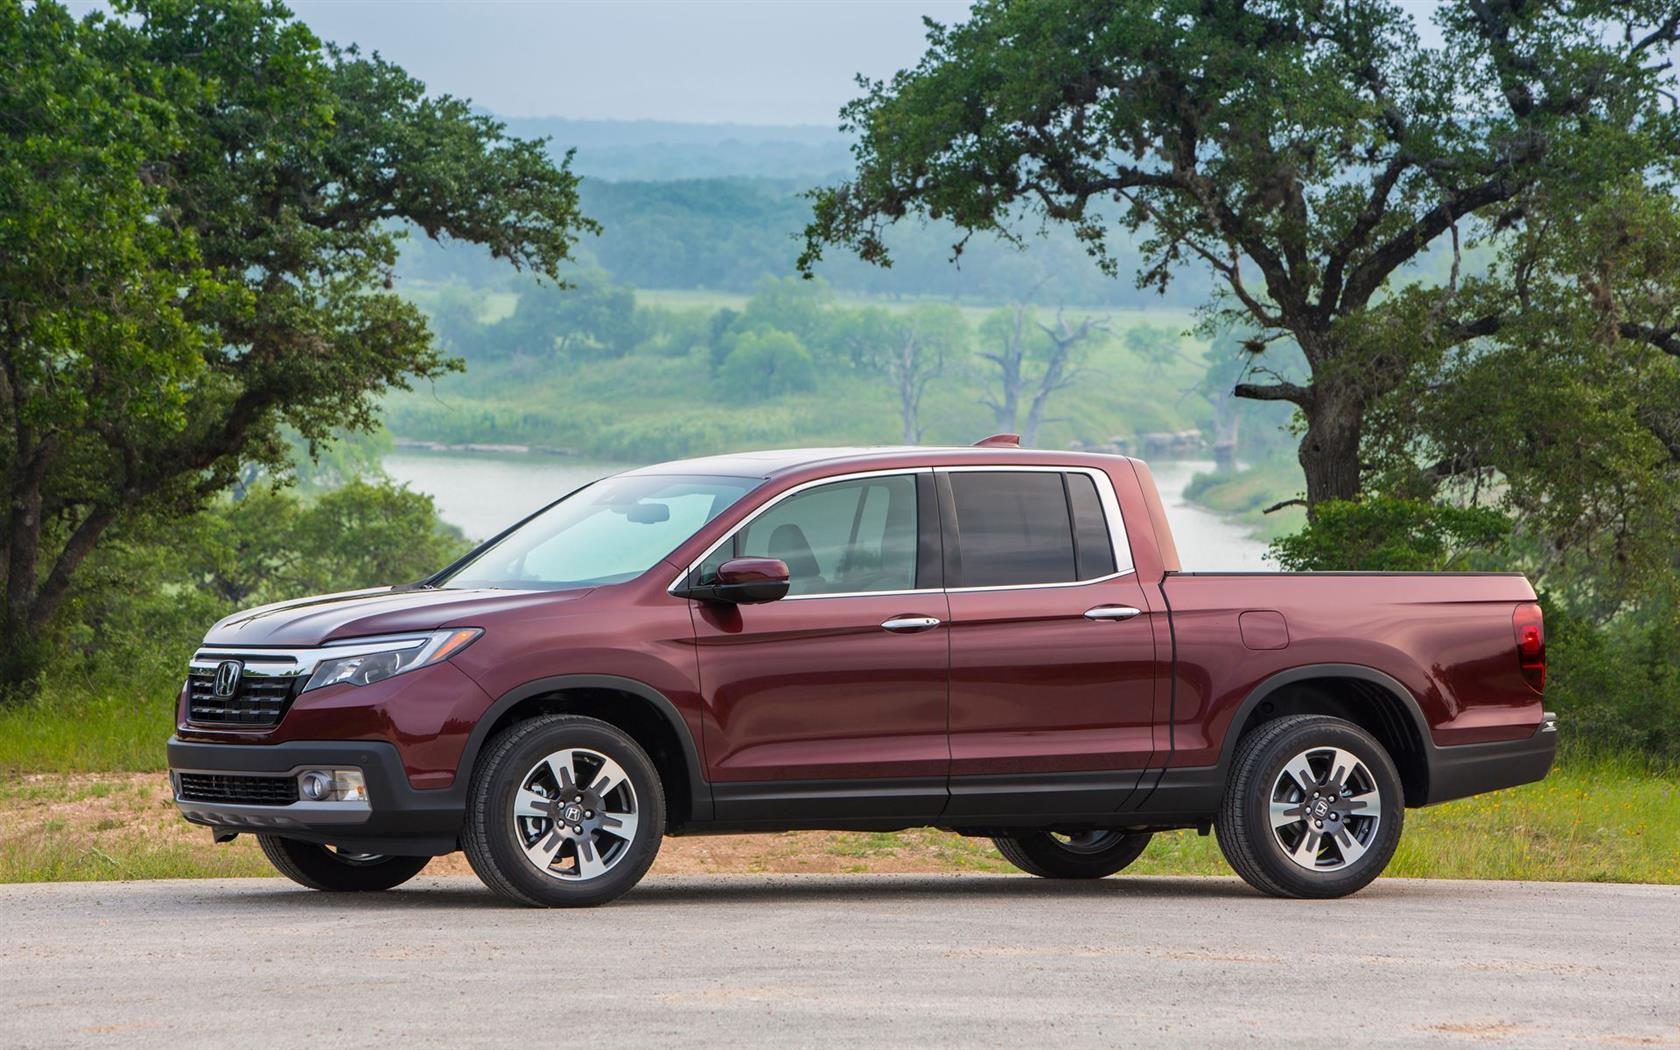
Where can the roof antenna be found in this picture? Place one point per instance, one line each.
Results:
(1000, 441)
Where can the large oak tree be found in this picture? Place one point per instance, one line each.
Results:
(200, 206)
(1311, 153)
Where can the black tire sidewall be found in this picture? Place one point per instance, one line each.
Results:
(491, 834)
(1253, 794)
(1039, 853)
(317, 867)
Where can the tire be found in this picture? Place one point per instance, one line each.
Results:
(1338, 800)
(575, 790)
(324, 868)
(1086, 855)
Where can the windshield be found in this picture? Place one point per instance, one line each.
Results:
(609, 532)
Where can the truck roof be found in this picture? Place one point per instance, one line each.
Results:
(769, 463)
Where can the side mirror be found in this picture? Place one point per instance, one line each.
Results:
(747, 581)
(752, 581)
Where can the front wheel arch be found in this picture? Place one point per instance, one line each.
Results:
(632, 706)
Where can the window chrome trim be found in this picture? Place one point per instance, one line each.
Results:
(1106, 496)
(802, 487)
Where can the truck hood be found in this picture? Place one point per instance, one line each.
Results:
(381, 610)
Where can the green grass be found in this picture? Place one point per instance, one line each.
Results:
(1592, 820)
(1596, 818)
(93, 729)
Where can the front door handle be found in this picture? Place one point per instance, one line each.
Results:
(910, 624)
(1112, 612)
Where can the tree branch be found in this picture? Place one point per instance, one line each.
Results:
(1294, 393)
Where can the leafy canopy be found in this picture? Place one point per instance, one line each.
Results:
(200, 206)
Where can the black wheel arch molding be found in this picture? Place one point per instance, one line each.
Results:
(1449, 772)
(700, 790)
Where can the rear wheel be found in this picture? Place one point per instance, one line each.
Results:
(1313, 808)
(563, 811)
(1072, 855)
(337, 871)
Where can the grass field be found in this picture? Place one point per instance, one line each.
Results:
(83, 797)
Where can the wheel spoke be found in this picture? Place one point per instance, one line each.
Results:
(589, 859)
(1306, 851)
(562, 765)
(607, 779)
(1365, 805)
(1351, 848)
(1286, 813)
(1342, 765)
(1301, 772)
(545, 849)
(620, 825)
(530, 804)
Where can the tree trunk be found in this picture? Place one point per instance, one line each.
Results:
(1329, 450)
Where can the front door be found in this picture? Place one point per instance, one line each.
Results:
(1054, 655)
(831, 701)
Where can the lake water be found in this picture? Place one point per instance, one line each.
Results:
(482, 494)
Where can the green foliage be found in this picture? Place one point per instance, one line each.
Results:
(764, 364)
(592, 318)
(1382, 533)
(1307, 155)
(1617, 685)
(200, 206)
(145, 597)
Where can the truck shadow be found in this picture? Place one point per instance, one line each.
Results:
(459, 892)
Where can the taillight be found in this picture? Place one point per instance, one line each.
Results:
(1530, 628)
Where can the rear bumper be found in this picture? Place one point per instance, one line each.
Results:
(1473, 769)
(396, 820)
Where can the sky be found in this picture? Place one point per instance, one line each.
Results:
(719, 61)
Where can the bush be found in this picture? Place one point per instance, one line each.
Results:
(1616, 686)
(1383, 533)
(766, 364)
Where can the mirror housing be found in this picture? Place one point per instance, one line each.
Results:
(743, 581)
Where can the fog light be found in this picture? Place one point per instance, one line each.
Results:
(333, 785)
(316, 786)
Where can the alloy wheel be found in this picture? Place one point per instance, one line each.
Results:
(575, 814)
(1325, 808)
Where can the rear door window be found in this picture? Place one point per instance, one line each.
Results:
(1025, 528)
(1014, 528)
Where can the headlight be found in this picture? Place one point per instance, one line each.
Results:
(376, 660)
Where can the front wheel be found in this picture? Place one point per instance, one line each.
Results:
(337, 871)
(1074, 855)
(564, 811)
(1313, 808)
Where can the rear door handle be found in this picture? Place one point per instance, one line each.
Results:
(910, 624)
(1112, 612)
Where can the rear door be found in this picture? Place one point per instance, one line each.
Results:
(832, 701)
(1054, 662)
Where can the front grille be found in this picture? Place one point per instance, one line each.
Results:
(240, 790)
(260, 700)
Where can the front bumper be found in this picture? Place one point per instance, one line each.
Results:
(1472, 769)
(396, 819)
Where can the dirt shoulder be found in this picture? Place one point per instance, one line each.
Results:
(117, 826)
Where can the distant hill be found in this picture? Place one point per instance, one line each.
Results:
(726, 234)
(658, 150)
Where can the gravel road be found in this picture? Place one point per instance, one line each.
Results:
(853, 961)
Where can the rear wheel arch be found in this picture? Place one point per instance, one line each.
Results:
(1365, 696)
(641, 711)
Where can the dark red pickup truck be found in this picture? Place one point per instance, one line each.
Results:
(991, 640)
